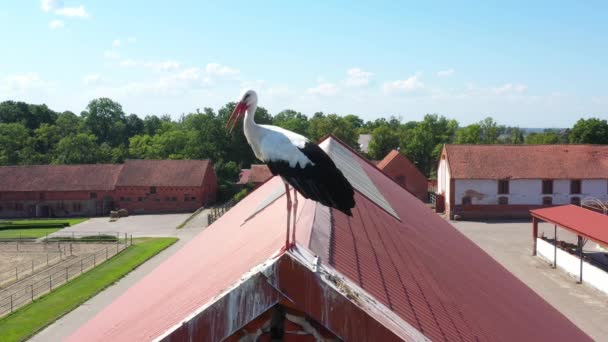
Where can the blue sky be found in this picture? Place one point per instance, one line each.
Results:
(531, 64)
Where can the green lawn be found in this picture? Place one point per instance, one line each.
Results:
(34, 232)
(29, 319)
(26, 233)
(71, 220)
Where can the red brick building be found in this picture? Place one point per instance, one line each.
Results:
(404, 172)
(140, 186)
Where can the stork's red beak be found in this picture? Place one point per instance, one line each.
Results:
(236, 115)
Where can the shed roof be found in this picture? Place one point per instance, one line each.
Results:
(581, 221)
(87, 177)
(414, 265)
(167, 173)
(258, 173)
(527, 161)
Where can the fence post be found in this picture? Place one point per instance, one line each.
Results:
(47, 259)
(12, 302)
(32, 288)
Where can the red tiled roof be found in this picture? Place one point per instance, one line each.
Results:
(163, 173)
(419, 267)
(59, 177)
(527, 161)
(259, 173)
(584, 222)
(389, 158)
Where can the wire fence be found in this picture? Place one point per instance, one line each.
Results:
(41, 278)
(217, 212)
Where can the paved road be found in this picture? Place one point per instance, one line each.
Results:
(511, 245)
(138, 225)
(68, 324)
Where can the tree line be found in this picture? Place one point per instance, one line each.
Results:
(104, 133)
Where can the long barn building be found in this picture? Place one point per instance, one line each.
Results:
(140, 186)
(506, 181)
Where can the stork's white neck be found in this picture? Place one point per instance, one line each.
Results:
(252, 130)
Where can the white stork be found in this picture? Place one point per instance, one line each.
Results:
(300, 163)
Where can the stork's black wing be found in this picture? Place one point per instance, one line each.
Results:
(322, 182)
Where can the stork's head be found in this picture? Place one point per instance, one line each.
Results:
(248, 100)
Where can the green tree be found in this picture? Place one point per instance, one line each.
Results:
(135, 125)
(384, 139)
(470, 134)
(489, 131)
(589, 131)
(106, 120)
(423, 143)
(321, 125)
(69, 123)
(15, 144)
(292, 120)
(81, 148)
(537, 138)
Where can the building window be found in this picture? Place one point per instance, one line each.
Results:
(152, 189)
(128, 199)
(193, 198)
(122, 199)
(76, 206)
(139, 199)
(466, 200)
(186, 198)
(547, 200)
(575, 186)
(503, 200)
(19, 206)
(41, 196)
(575, 200)
(503, 187)
(93, 195)
(547, 186)
(167, 199)
(174, 199)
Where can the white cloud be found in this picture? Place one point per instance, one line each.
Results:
(510, 88)
(55, 24)
(158, 66)
(358, 78)
(93, 79)
(79, 12)
(111, 54)
(408, 85)
(49, 5)
(24, 82)
(324, 89)
(215, 69)
(116, 43)
(446, 73)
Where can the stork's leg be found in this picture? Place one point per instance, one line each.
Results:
(288, 214)
(295, 213)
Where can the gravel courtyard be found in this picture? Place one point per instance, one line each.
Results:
(510, 243)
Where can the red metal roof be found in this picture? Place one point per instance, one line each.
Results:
(165, 173)
(419, 268)
(86, 177)
(527, 161)
(584, 222)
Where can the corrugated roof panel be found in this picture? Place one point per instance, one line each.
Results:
(351, 169)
